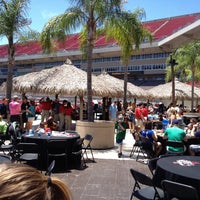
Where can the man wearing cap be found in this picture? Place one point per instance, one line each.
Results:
(15, 110)
(175, 133)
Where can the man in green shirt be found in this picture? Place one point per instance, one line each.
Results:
(3, 126)
(175, 133)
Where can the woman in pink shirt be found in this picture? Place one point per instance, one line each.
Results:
(15, 110)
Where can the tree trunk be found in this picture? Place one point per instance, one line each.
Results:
(193, 79)
(81, 108)
(173, 80)
(125, 85)
(11, 63)
(89, 73)
(89, 85)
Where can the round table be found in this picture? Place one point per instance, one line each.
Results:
(42, 140)
(183, 169)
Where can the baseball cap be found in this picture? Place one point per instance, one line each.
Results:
(120, 117)
(15, 97)
(175, 121)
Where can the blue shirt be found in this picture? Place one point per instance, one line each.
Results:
(32, 109)
(113, 111)
(148, 134)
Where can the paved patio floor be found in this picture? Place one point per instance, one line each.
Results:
(108, 178)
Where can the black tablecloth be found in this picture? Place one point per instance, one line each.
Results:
(183, 169)
(69, 136)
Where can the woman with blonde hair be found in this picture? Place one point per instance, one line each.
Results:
(20, 182)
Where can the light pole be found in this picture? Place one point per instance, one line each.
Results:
(173, 63)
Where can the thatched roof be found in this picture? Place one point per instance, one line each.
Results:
(64, 80)
(132, 90)
(182, 91)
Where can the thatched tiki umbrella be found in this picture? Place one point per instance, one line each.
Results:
(118, 84)
(182, 91)
(64, 80)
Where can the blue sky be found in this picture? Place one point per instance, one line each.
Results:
(41, 11)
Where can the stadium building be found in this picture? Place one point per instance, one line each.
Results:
(146, 67)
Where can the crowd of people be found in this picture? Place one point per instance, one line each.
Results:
(144, 119)
(54, 113)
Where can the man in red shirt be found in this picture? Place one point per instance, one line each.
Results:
(139, 115)
(46, 108)
(62, 115)
(68, 118)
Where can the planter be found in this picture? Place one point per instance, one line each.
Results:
(102, 132)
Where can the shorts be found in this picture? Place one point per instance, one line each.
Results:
(24, 118)
(119, 141)
(195, 147)
(31, 119)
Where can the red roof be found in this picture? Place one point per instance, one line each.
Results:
(160, 29)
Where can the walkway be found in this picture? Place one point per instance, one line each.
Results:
(108, 178)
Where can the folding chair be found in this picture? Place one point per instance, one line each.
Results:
(147, 147)
(178, 190)
(148, 191)
(5, 159)
(57, 149)
(136, 148)
(28, 153)
(152, 164)
(77, 154)
(7, 149)
(176, 144)
(87, 146)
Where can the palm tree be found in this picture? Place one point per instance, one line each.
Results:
(30, 35)
(95, 17)
(128, 31)
(188, 57)
(12, 19)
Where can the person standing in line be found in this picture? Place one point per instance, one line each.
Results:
(113, 110)
(139, 116)
(46, 108)
(24, 107)
(121, 126)
(4, 109)
(15, 110)
(62, 115)
(55, 109)
(68, 118)
(130, 117)
(30, 114)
